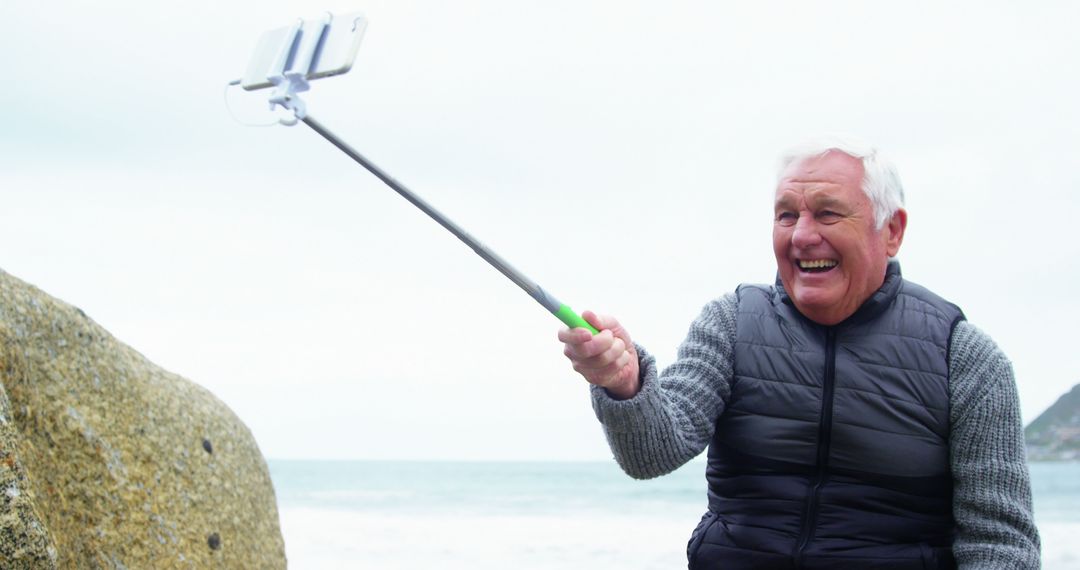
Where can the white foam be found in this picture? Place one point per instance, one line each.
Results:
(332, 539)
(346, 539)
(1061, 551)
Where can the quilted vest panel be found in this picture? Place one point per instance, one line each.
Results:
(833, 451)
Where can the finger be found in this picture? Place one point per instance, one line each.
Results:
(599, 374)
(601, 322)
(593, 365)
(614, 355)
(626, 372)
(576, 335)
(617, 349)
(591, 362)
(597, 344)
(591, 347)
(593, 319)
(607, 322)
(608, 375)
(588, 351)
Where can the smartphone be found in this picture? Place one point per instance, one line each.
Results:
(334, 50)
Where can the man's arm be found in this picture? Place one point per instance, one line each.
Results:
(992, 489)
(671, 417)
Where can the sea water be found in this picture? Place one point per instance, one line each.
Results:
(1055, 487)
(530, 516)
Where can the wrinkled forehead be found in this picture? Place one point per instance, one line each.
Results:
(831, 176)
(815, 196)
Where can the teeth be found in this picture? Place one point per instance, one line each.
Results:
(817, 263)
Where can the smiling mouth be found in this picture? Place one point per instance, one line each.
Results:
(817, 265)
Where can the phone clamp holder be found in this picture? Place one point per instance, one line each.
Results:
(289, 72)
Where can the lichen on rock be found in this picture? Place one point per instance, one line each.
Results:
(109, 461)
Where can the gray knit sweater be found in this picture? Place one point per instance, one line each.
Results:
(671, 420)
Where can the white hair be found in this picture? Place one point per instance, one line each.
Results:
(881, 182)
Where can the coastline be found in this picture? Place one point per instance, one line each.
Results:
(542, 515)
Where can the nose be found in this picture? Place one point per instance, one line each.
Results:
(806, 233)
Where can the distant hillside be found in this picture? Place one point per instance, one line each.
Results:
(1055, 435)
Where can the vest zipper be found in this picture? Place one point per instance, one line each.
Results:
(824, 436)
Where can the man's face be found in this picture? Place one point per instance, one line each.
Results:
(829, 253)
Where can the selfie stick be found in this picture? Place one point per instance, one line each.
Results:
(292, 79)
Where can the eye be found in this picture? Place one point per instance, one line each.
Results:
(786, 218)
(828, 217)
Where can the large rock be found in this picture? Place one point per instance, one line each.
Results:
(108, 461)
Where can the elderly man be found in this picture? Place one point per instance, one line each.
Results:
(853, 419)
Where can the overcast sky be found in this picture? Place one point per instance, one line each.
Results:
(621, 154)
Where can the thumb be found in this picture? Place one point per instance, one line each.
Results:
(594, 319)
(607, 322)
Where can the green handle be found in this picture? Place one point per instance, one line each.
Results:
(572, 319)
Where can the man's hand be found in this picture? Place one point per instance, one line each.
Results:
(608, 359)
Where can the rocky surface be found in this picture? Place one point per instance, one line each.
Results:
(109, 461)
(1055, 434)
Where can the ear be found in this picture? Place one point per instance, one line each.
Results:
(894, 232)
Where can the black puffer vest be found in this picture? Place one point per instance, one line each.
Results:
(833, 450)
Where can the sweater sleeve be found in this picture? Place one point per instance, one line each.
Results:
(672, 418)
(991, 486)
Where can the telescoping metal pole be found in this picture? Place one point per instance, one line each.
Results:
(561, 311)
